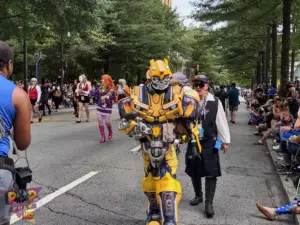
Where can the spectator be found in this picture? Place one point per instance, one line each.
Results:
(272, 91)
(14, 113)
(222, 95)
(233, 97)
(45, 97)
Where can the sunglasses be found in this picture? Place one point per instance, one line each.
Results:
(199, 85)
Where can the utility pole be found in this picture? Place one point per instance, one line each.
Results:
(37, 57)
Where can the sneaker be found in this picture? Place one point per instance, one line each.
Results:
(259, 142)
(276, 147)
(280, 158)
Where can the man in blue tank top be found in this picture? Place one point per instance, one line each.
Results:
(15, 119)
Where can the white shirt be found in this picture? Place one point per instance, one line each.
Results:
(221, 121)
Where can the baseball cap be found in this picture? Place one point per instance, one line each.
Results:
(180, 77)
(199, 78)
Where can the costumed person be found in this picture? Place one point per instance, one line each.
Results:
(75, 98)
(214, 136)
(106, 96)
(159, 116)
(83, 91)
(271, 213)
(34, 92)
(123, 90)
(179, 78)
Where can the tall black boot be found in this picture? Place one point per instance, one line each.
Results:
(210, 189)
(198, 191)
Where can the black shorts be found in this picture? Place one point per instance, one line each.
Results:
(233, 108)
(33, 101)
(84, 99)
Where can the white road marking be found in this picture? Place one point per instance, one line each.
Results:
(50, 197)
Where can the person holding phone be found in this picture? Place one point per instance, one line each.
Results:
(214, 136)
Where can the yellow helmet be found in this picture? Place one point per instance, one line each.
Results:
(159, 69)
(160, 74)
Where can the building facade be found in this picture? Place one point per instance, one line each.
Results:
(167, 3)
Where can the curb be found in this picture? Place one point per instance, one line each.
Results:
(288, 185)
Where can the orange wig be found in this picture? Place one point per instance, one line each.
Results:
(107, 82)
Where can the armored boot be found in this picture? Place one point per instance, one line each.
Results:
(210, 189)
(197, 184)
(169, 193)
(169, 207)
(153, 212)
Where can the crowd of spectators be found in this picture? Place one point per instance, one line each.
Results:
(277, 117)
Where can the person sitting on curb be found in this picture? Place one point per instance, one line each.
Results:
(271, 213)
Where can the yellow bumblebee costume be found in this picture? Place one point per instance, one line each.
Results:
(159, 115)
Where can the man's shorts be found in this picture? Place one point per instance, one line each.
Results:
(6, 184)
(233, 108)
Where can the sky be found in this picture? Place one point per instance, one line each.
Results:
(184, 9)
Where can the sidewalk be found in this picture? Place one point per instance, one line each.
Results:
(287, 183)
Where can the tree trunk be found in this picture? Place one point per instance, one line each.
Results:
(258, 70)
(25, 62)
(268, 56)
(293, 64)
(293, 55)
(286, 33)
(61, 62)
(274, 54)
(263, 61)
(25, 59)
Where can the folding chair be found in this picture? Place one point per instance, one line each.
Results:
(294, 149)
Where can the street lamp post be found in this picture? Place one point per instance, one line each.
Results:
(37, 57)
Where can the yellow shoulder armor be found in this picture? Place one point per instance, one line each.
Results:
(177, 90)
(192, 94)
(191, 104)
(136, 90)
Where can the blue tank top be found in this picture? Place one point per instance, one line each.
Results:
(7, 111)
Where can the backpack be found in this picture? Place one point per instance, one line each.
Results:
(57, 93)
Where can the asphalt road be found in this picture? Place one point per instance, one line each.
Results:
(109, 187)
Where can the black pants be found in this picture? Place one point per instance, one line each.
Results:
(57, 101)
(75, 105)
(45, 103)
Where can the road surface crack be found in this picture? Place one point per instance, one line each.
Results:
(98, 206)
(50, 188)
(77, 217)
(85, 201)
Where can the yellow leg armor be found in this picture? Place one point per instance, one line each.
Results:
(168, 191)
(172, 160)
(163, 193)
(149, 184)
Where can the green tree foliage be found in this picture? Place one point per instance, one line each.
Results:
(245, 40)
(118, 37)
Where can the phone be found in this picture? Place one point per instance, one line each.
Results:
(218, 144)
